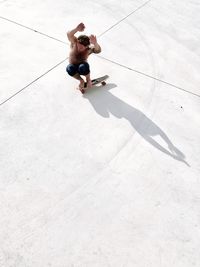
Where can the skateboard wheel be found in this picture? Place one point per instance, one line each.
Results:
(103, 83)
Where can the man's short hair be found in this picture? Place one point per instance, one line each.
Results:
(84, 40)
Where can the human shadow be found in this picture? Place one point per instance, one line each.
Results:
(106, 103)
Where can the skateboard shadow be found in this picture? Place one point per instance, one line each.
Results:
(106, 103)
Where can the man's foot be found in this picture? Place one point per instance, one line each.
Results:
(89, 83)
(81, 85)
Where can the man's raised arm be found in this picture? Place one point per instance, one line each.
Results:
(70, 34)
(97, 47)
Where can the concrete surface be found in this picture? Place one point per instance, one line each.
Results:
(110, 178)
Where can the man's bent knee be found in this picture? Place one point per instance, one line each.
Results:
(84, 68)
(71, 69)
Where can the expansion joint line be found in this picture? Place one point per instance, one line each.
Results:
(33, 81)
(125, 18)
(149, 76)
(31, 29)
(136, 71)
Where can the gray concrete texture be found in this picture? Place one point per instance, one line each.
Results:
(110, 178)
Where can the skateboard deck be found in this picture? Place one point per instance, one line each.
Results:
(95, 82)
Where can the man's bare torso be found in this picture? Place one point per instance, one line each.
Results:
(76, 56)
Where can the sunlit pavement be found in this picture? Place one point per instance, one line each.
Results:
(111, 177)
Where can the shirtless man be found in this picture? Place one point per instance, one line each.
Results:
(80, 49)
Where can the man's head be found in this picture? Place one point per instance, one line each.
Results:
(84, 40)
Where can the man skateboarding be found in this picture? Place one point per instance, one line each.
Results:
(80, 49)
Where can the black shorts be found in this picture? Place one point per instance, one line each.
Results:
(82, 68)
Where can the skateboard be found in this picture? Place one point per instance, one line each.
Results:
(96, 81)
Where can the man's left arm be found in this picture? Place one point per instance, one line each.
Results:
(97, 48)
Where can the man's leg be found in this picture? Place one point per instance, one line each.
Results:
(78, 77)
(84, 69)
(88, 79)
(72, 70)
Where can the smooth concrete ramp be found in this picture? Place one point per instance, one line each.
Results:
(110, 178)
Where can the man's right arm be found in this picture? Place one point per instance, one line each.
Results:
(70, 34)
